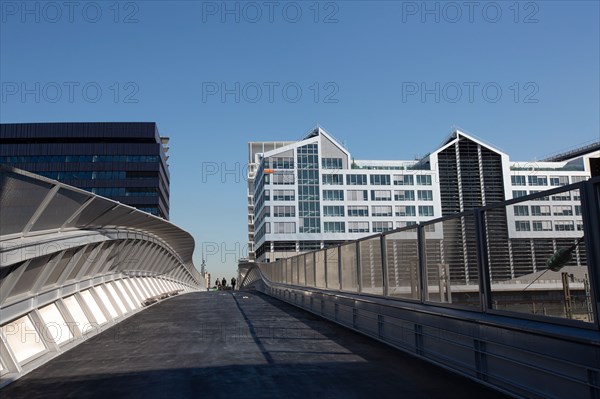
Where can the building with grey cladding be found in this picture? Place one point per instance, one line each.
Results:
(123, 161)
(312, 194)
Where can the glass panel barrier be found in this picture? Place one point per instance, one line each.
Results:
(294, 270)
(451, 261)
(349, 268)
(402, 254)
(333, 281)
(371, 266)
(320, 277)
(538, 262)
(288, 271)
(310, 269)
(301, 270)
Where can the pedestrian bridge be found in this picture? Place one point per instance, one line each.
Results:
(114, 292)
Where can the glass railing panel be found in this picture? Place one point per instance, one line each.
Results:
(320, 272)
(402, 255)
(371, 266)
(349, 267)
(537, 257)
(301, 270)
(310, 269)
(451, 261)
(333, 280)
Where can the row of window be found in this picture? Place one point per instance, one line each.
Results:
(378, 195)
(536, 180)
(564, 196)
(98, 175)
(544, 210)
(352, 211)
(279, 163)
(547, 225)
(377, 210)
(124, 192)
(376, 180)
(340, 227)
(78, 158)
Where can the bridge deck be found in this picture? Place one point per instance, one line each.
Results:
(218, 344)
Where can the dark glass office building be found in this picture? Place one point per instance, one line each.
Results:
(124, 161)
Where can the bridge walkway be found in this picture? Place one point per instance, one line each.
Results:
(242, 344)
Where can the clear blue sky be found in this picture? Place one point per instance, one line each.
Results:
(369, 60)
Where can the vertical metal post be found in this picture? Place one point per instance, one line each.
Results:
(358, 268)
(422, 262)
(339, 257)
(482, 261)
(384, 275)
(590, 211)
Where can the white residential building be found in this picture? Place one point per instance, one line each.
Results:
(311, 194)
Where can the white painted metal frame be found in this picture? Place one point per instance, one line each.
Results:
(94, 263)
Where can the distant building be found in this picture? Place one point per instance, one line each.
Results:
(124, 161)
(312, 194)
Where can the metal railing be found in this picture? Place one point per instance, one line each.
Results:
(511, 304)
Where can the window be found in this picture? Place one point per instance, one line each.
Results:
(517, 180)
(429, 228)
(334, 227)
(356, 180)
(333, 210)
(331, 179)
(578, 210)
(564, 225)
(566, 196)
(576, 195)
(284, 195)
(361, 210)
(279, 163)
(283, 177)
(425, 210)
(404, 195)
(380, 180)
(358, 227)
(425, 195)
(542, 225)
(407, 223)
(562, 210)
(331, 163)
(405, 210)
(284, 211)
(284, 228)
(577, 179)
(381, 195)
(537, 180)
(559, 180)
(381, 210)
(382, 227)
(424, 180)
(544, 198)
(333, 195)
(521, 225)
(540, 210)
(519, 193)
(521, 210)
(579, 225)
(404, 180)
(357, 195)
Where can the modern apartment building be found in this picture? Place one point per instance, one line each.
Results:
(124, 161)
(311, 194)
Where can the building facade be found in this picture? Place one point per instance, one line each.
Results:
(123, 161)
(312, 194)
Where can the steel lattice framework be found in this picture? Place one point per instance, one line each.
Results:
(73, 263)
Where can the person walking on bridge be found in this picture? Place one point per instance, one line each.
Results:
(224, 283)
(233, 283)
